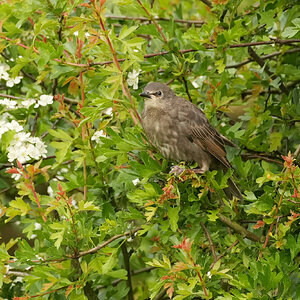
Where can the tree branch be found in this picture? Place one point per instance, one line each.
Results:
(212, 247)
(183, 51)
(274, 54)
(154, 22)
(261, 62)
(207, 2)
(96, 249)
(126, 257)
(189, 22)
(223, 254)
(239, 229)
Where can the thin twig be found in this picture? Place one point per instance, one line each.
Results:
(223, 254)
(211, 244)
(262, 157)
(153, 20)
(34, 124)
(183, 51)
(293, 201)
(97, 248)
(296, 153)
(189, 22)
(261, 62)
(277, 53)
(207, 2)
(186, 88)
(271, 226)
(126, 257)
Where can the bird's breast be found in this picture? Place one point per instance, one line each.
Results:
(166, 134)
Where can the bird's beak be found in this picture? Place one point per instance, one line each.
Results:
(144, 94)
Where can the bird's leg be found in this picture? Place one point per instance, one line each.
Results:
(203, 169)
(198, 170)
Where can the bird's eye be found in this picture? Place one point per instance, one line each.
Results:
(159, 93)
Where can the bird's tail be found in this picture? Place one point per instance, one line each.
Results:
(233, 190)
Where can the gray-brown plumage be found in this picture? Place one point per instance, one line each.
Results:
(181, 132)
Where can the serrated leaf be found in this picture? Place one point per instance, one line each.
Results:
(173, 215)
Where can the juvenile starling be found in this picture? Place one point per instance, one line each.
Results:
(181, 132)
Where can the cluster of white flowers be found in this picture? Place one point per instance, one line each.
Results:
(6, 125)
(133, 79)
(12, 104)
(96, 136)
(24, 147)
(10, 82)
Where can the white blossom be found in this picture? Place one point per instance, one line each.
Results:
(14, 125)
(27, 103)
(87, 34)
(19, 279)
(107, 111)
(74, 203)
(75, 33)
(133, 79)
(5, 125)
(16, 176)
(45, 100)
(23, 147)
(12, 81)
(96, 136)
(10, 104)
(37, 226)
(50, 191)
(3, 71)
(136, 181)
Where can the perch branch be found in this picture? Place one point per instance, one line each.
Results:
(239, 229)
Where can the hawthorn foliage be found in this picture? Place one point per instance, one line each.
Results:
(99, 214)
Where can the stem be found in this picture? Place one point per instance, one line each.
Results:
(126, 257)
(198, 273)
(271, 226)
(96, 249)
(189, 22)
(125, 88)
(154, 22)
(212, 247)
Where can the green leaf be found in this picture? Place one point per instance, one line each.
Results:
(173, 215)
(126, 31)
(18, 207)
(60, 134)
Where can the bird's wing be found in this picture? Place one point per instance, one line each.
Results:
(204, 135)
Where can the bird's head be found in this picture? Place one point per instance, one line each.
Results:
(157, 91)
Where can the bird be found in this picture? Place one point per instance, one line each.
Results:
(181, 132)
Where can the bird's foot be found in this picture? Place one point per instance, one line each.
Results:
(199, 170)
